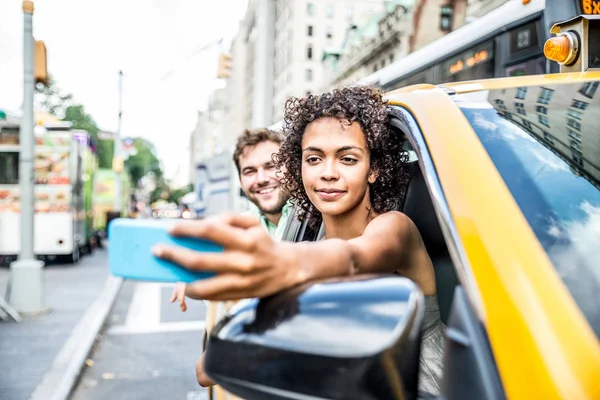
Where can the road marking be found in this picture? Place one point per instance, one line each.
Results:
(144, 311)
(196, 395)
(143, 315)
(181, 326)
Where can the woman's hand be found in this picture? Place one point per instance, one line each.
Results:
(251, 265)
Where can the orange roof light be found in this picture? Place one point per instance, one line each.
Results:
(562, 48)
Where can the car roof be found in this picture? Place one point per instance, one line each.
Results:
(499, 83)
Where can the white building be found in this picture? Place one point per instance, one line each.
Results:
(368, 47)
(478, 8)
(238, 114)
(278, 51)
(304, 30)
(206, 138)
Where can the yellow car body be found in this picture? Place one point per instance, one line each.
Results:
(543, 345)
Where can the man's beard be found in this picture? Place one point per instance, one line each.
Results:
(275, 209)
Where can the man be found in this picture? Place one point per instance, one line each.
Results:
(253, 158)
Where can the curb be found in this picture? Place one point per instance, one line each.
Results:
(61, 378)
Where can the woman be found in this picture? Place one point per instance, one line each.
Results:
(340, 158)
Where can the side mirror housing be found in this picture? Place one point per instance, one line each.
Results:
(351, 338)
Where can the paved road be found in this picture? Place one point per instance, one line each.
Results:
(148, 351)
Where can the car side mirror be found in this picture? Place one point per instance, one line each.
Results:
(350, 338)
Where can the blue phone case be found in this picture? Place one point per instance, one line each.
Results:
(130, 251)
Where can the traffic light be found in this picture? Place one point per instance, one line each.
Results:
(224, 68)
(40, 70)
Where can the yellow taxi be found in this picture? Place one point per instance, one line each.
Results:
(505, 190)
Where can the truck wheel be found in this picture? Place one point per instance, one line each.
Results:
(73, 258)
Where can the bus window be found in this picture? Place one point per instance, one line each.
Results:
(425, 76)
(524, 38)
(536, 66)
(477, 63)
(540, 65)
(521, 69)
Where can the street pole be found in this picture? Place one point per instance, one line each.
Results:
(118, 152)
(26, 283)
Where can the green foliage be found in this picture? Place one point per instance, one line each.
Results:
(143, 161)
(106, 149)
(49, 98)
(176, 195)
(52, 100)
(82, 120)
(162, 192)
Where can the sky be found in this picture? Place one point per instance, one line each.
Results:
(89, 41)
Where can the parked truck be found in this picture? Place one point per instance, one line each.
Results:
(103, 197)
(63, 164)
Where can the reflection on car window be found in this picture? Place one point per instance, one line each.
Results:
(552, 170)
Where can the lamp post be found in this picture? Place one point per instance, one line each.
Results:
(118, 159)
(25, 292)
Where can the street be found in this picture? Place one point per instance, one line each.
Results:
(148, 349)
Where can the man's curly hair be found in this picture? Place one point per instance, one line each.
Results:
(364, 105)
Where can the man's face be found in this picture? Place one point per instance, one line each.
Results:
(258, 178)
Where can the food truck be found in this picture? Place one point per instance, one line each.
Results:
(63, 164)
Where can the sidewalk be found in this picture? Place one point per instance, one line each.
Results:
(41, 357)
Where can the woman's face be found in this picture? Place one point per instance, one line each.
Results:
(335, 166)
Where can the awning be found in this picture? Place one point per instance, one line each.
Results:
(9, 119)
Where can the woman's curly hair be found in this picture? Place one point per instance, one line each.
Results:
(361, 104)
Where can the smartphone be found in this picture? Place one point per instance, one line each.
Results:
(130, 251)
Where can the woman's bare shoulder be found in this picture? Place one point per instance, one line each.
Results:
(392, 224)
(395, 219)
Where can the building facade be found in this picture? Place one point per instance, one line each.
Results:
(405, 27)
(478, 8)
(367, 48)
(238, 113)
(304, 31)
(206, 139)
(287, 48)
(278, 51)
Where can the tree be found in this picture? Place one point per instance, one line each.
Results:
(49, 98)
(143, 161)
(176, 195)
(52, 100)
(162, 191)
(80, 119)
(106, 149)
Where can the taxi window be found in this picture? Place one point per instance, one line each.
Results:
(546, 145)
